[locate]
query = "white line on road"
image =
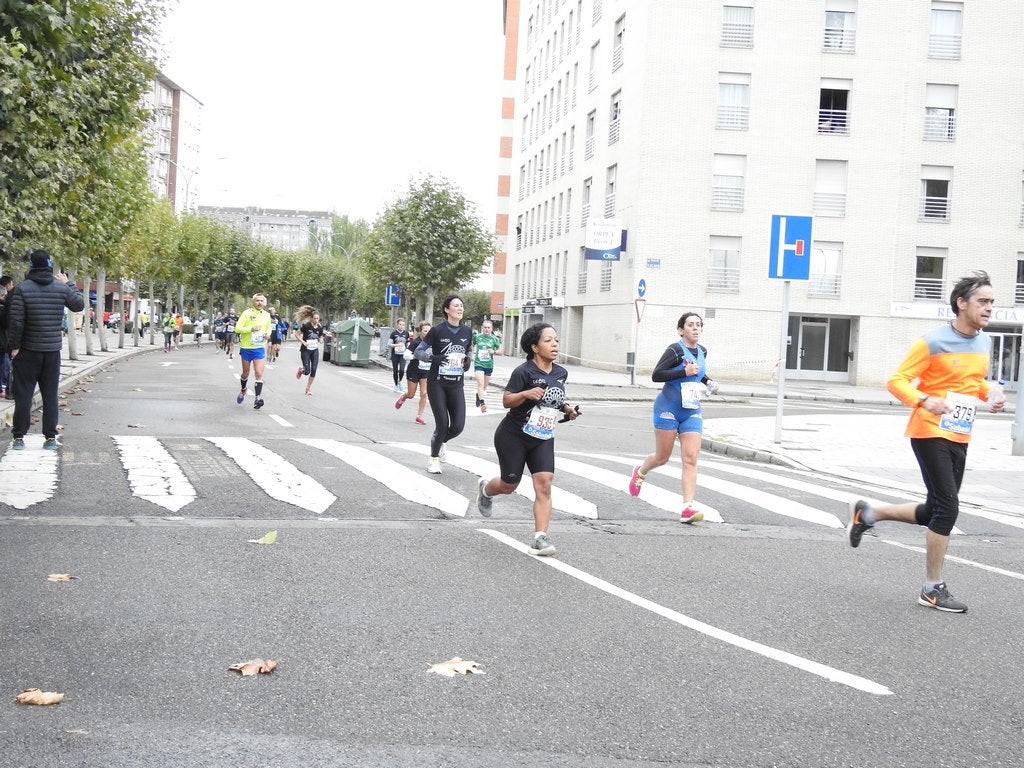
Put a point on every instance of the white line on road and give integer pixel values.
(281, 421)
(153, 474)
(652, 494)
(561, 499)
(29, 476)
(397, 477)
(278, 478)
(962, 561)
(799, 662)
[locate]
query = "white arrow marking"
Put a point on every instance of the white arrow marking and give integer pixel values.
(28, 477)
(278, 478)
(153, 474)
(399, 478)
(799, 662)
(561, 499)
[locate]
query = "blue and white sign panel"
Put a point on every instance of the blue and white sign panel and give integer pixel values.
(641, 288)
(603, 240)
(393, 295)
(790, 255)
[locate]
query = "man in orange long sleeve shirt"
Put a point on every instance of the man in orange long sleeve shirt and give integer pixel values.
(949, 366)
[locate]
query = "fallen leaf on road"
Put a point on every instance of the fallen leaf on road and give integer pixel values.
(268, 538)
(456, 666)
(60, 577)
(255, 667)
(76, 413)
(36, 696)
(136, 426)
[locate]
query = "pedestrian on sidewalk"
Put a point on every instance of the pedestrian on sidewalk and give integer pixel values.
(535, 399)
(446, 348)
(949, 366)
(677, 411)
(486, 345)
(310, 335)
(253, 329)
(416, 374)
(6, 286)
(34, 338)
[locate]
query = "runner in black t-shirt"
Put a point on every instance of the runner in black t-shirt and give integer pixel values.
(535, 397)
(446, 346)
(398, 342)
(310, 334)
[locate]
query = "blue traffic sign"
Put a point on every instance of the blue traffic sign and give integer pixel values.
(393, 295)
(641, 288)
(790, 254)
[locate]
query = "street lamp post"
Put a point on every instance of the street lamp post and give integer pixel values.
(188, 174)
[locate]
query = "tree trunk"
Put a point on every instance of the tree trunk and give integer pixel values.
(152, 319)
(71, 317)
(428, 313)
(101, 306)
(89, 316)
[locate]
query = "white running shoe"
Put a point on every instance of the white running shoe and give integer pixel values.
(434, 465)
(443, 453)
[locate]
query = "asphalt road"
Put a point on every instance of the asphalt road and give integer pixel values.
(762, 640)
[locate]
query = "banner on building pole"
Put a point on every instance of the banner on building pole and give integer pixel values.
(603, 240)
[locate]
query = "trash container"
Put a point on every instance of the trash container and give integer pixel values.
(352, 343)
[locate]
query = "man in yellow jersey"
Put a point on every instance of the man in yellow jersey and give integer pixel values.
(253, 329)
(948, 365)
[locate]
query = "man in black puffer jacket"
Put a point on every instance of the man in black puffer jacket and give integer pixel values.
(35, 318)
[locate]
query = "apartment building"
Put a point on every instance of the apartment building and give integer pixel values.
(174, 143)
(689, 125)
(285, 229)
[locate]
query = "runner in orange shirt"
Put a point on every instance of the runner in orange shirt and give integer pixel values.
(949, 366)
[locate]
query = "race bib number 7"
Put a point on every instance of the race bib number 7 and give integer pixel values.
(541, 423)
(961, 418)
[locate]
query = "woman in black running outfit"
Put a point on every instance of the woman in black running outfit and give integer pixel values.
(416, 374)
(535, 397)
(446, 347)
(310, 334)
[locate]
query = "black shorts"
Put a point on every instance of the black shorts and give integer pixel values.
(517, 450)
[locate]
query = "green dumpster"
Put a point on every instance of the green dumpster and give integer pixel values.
(352, 343)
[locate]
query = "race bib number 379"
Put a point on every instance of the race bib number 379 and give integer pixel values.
(961, 418)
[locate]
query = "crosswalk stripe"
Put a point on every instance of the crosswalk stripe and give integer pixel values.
(395, 476)
(651, 494)
(561, 499)
(278, 478)
(767, 501)
(153, 474)
(28, 477)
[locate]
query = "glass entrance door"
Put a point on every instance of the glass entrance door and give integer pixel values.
(1005, 358)
(812, 344)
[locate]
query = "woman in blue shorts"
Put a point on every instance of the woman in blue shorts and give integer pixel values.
(677, 411)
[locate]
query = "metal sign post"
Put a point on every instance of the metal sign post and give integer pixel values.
(789, 235)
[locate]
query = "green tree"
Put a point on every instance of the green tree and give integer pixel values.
(478, 306)
(428, 241)
(71, 79)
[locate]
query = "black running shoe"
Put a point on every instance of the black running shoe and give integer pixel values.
(940, 599)
(258, 404)
(856, 528)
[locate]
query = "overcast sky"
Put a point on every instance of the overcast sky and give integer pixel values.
(336, 104)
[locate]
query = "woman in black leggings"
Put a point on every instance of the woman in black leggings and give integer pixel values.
(446, 347)
(310, 334)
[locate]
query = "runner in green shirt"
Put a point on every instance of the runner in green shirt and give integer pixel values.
(253, 329)
(486, 345)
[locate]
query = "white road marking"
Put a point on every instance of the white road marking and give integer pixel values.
(153, 474)
(962, 561)
(280, 421)
(799, 662)
(278, 478)
(561, 499)
(399, 478)
(651, 494)
(29, 476)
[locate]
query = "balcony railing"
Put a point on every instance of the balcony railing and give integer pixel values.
(934, 208)
(737, 35)
(588, 148)
(592, 82)
(833, 121)
(613, 131)
(839, 40)
(585, 214)
(825, 286)
(929, 288)
(940, 127)
(595, 16)
(581, 282)
(609, 205)
(944, 46)
(724, 279)
(1020, 222)
(616, 57)
(1018, 294)
(830, 204)
(606, 275)
(727, 198)
(733, 117)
